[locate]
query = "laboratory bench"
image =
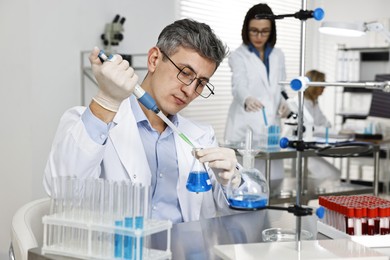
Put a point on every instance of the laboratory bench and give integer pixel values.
(226, 236)
(196, 239)
(285, 192)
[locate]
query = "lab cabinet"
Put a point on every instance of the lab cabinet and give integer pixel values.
(358, 65)
(361, 64)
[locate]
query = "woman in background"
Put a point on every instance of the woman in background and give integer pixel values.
(311, 95)
(319, 168)
(257, 68)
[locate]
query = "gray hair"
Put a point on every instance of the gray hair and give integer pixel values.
(194, 35)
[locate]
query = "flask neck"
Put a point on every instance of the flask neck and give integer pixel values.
(248, 161)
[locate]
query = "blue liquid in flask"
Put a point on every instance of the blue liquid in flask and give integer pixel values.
(248, 201)
(198, 182)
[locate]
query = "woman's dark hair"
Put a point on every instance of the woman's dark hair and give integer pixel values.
(258, 9)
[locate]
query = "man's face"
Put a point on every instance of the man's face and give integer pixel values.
(170, 93)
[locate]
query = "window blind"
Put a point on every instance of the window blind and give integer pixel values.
(225, 17)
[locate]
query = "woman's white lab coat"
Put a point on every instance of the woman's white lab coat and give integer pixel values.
(123, 157)
(249, 78)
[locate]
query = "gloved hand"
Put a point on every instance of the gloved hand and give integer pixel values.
(223, 162)
(115, 78)
(283, 110)
(252, 104)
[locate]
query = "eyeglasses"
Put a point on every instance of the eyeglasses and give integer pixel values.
(186, 76)
(255, 32)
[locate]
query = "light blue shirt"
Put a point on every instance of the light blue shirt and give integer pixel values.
(161, 155)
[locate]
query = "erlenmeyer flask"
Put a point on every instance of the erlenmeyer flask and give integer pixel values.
(248, 189)
(198, 179)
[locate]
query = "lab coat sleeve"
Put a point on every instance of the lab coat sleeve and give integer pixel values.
(238, 65)
(282, 74)
(73, 152)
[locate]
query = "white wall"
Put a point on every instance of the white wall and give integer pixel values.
(40, 47)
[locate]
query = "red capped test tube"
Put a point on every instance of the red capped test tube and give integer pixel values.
(372, 215)
(383, 220)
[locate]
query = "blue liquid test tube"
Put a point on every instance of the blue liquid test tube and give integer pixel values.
(118, 216)
(327, 135)
(128, 221)
(264, 116)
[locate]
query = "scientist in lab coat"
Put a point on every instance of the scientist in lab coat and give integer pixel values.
(117, 138)
(320, 170)
(257, 67)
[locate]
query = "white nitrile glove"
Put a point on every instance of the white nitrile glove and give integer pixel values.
(252, 104)
(115, 78)
(283, 110)
(222, 160)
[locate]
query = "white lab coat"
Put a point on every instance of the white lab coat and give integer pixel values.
(319, 119)
(123, 157)
(312, 115)
(319, 168)
(250, 78)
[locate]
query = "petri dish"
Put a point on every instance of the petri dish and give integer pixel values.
(283, 235)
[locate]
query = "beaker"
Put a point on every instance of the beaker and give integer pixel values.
(198, 179)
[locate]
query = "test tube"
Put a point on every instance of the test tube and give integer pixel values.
(55, 210)
(358, 221)
(264, 116)
(87, 216)
(98, 212)
(364, 221)
(108, 218)
(372, 215)
(129, 212)
(139, 197)
(383, 220)
(118, 220)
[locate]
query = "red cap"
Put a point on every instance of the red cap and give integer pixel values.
(372, 212)
(350, 212)
(358, 212)
(383, 212)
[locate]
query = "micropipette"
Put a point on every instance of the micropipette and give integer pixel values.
(150, 104)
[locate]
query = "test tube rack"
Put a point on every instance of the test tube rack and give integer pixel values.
(101, 239)
(93, 218)
(269, 137)
(364, 219)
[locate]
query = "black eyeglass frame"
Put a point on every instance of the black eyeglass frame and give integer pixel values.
(255, 32)
(207, 85)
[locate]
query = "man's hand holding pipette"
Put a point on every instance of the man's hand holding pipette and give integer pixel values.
(222, 160)
(116, 80)
(252, 104)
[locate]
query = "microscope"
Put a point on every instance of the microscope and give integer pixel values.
(113, 32)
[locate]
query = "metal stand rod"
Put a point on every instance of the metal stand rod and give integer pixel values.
(268, 173)
(368, 85)
(376, 171)
(300, 128)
